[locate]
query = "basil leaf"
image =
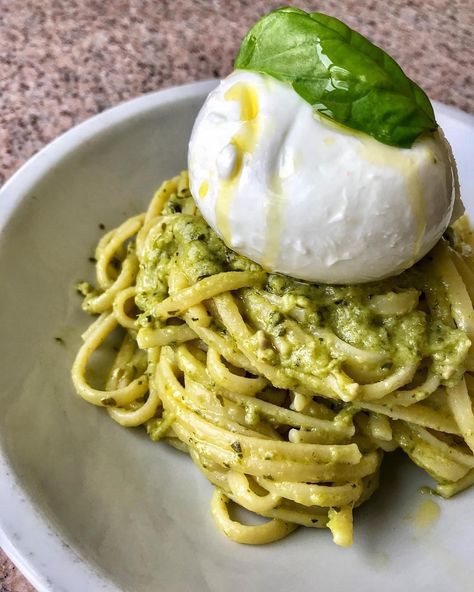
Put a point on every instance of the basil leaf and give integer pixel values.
(340, 73)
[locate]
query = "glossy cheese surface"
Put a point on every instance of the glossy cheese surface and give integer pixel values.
(306, 197)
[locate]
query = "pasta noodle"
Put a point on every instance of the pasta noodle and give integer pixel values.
(285, 394)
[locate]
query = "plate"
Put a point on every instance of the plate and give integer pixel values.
(86, 505)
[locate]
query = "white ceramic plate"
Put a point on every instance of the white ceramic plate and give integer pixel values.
(88, 506)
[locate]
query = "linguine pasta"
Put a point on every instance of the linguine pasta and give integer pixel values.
(285, 394)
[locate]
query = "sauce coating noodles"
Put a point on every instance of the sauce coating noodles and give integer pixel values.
(285, 394)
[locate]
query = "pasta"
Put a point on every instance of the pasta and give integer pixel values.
(285, 394)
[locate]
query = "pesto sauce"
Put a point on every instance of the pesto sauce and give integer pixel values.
(188, 243)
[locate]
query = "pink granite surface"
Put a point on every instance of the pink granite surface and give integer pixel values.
(63, 61)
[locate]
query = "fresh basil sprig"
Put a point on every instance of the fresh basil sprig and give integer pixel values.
(340, 73)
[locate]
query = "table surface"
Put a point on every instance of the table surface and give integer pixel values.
(62, 62)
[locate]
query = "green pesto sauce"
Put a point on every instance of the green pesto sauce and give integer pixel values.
(188, 243)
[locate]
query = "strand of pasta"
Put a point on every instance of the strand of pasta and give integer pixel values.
(337, 346)
(269, 532)
(441, 467)
(405, 398)
(287, 510)
(142, 413)
(313, 494)
(119, 307)
(148, 338)
(116, 239)
(458, 296)
(419, 414)
(276, 375)
(464, 271)
(447, 490)
(104, 253)
(205, 289)
(400, 377)
(117, 377)
(461, 305)
(452, 452)
(224, 415)
(161, 196)
(120, 396)
(279, 414)
(232, 382)
(461, 407)
(241, 491)
(311, 516)
(268, 441)
(192, 423)
(102, 302)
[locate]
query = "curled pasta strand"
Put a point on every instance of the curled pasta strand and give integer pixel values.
(269, 532)
(377, 390)
(405, 398)
(119, 307)
(126, 277)
(135, 417)
(241, 492)
(205, 289)
(232, 382)
(115, 241)
(120, 396)
(161, 196)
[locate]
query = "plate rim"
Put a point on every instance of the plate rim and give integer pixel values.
(67, 565)
(55, 576)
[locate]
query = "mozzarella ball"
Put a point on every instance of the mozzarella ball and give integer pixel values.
(307, 197)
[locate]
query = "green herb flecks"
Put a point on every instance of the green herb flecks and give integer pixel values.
(236, 447)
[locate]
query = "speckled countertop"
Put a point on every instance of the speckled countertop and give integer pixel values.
(61, 62)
